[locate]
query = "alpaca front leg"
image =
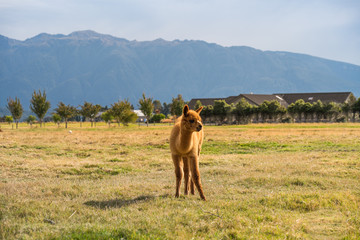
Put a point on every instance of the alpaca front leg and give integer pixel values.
(186, 175)
(195, 174)
(178, 173)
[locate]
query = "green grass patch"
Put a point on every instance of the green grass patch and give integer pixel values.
(223, 147)
(114, 160)
(308, 202)
(96, 171)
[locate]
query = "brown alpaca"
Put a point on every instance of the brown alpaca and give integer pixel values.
(185, 144)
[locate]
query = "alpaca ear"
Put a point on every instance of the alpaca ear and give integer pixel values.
(199, 109)
(186, 110)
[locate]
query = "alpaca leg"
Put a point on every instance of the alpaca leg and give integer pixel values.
(195, 174)
(178, 173)
(192, 187)
(186, 175)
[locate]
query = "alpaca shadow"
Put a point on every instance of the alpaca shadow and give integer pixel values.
(119, 203)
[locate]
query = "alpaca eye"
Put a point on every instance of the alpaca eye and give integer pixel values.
(191, 121)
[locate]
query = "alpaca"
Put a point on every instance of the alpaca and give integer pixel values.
(185, 143)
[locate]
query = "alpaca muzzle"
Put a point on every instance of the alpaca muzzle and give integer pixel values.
(199, 127)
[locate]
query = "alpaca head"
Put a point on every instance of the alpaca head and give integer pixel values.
(191, 119)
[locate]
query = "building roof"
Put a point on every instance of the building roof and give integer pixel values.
(284, 99)
(258, 99)
(139, 113)
(233, 99)
(325, 97)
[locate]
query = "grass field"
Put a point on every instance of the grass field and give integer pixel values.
(281, 181)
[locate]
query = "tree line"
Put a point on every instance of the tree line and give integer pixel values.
(219, 113)
(271, 111)
(120, 112)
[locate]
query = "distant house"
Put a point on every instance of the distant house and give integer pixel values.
(254, 99)
(284, 99)
(141, 116)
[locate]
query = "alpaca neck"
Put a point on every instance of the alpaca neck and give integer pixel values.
(185, 143)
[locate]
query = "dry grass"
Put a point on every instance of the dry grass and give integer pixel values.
(262, 181)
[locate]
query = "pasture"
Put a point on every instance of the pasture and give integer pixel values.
(280, 181)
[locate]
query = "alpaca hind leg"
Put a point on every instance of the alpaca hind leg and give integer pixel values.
(192, 187)
(195, 174)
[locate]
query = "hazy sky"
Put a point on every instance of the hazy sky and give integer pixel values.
(324, 28)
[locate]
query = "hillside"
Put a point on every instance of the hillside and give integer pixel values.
(101, 69)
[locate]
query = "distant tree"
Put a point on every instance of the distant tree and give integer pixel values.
(16, 109)
(56, 118)
(346, 109)
(356, 109)
(292, 111)
(177, 105)
(128, 117)
(299, 107)
(30, 120)
(330, 110)
(198, 104)
(207, 113)
(336, 111)
(256, 112)
(296, 109)
(39, 105)
(9, 119)
(281, 112)
(274, 109)
(318, 110)
(351, 102)
(122, 113)
(242, 111)
(158, 117)
(93, 113)
(157, 106)
(271, 110)
(166, 109)
(221, 110)
(107, 117)
(146, 107)
(88, 110)
(117, 110)
(264, 110)
(85, 110)
(65, 112)
(307, 110)
(352, 99)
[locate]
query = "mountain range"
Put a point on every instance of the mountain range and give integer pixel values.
(88, 66)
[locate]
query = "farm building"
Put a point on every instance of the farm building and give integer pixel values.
(284, 99)
(141, 116)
